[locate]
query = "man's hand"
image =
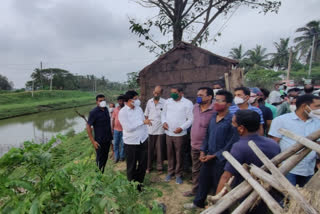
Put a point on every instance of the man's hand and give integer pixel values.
(147, 122)
(206, 158)
(165, 126)
(210, 157)
(178, 130)
(95, 145)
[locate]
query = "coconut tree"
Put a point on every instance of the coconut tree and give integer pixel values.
(281, 57)
(237, 53)
(256, 58)
(304, 42)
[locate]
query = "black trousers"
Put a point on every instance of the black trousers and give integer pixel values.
(137, 159)
(210, 174)
(102, 153)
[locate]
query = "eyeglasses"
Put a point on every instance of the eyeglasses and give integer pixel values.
(220, 101)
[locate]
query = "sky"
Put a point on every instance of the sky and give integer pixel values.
(93, 36)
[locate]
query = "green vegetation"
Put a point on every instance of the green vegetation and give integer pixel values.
(21, 103)
(63, 178)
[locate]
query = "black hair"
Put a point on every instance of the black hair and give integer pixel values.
(130, 95)
(112, 104)
(228, 95)
(293, 90)
(209, 90)
(179, 88)
(218, 82)
(265, 92)
(245, 90)
(306, 99)
(249, 119)
(99, 96)
(308, 89)
(121, 97)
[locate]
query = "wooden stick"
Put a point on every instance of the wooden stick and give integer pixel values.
(81, 115)
(266, 177)
(271, 203)
(304, 141)
(293, 192)
(244, 188)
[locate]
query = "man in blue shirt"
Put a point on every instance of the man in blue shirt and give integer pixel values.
(241, 98)
(303, 122)
(100, 120)
(219, 138)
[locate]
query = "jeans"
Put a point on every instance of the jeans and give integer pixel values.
(298, 179)
(118, 146)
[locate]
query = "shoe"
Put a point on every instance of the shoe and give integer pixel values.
(168, 178)
(121, 159)
(190, 206)
(188, 194)
(179, 180)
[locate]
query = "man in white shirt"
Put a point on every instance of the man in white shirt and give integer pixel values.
(135, 135)
(156, 132)
(176, 119)
(275, 96)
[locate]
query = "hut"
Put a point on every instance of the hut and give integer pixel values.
(189, 67)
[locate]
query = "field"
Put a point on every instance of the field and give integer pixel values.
(22, 103)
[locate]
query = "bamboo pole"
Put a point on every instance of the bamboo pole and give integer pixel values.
(266, 177)
(244, 188)
(293, 192)
(268, 199)
(302, 140)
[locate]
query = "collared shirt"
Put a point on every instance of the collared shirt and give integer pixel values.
(100, 120)
(200, 125)
(177, 114)
(244, 154)
(153, 112)
(135, 131)
(233, 109)
(220, 136)
(294, 124)
(115, 115)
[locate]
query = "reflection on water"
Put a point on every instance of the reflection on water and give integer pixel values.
(40, 127)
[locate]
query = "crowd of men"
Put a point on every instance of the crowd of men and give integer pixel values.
(219, 121)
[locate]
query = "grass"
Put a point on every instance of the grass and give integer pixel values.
(22, 103)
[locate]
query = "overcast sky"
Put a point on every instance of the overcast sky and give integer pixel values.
(93, 37)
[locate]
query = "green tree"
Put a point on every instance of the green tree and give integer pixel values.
(262, 78)
(237, 53)
(281, 57)
(176, 17)
(304, 42)
(5, 84)
(132, 80)
(256, 58)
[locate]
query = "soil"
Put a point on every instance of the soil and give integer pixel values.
(172, 193)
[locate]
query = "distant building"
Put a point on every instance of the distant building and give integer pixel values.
(190, 67)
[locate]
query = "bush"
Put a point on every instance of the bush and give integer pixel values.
(262, 78)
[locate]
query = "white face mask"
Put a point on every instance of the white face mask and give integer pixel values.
(215, 91)
(252, 100)
(137, 103)
(103, 104)
(111, 109)
(238, 100)
(293, 108)
(314, 113)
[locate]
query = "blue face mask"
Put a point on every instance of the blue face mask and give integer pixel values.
(199, 100)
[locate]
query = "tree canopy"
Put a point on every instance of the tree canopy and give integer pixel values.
(5, 84)
(192, 17)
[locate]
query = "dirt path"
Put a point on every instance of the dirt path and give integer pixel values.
(172, 193)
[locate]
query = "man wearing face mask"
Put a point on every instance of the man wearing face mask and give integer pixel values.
(156, 132)
(275, 95)
(241, 99)
(135, 137)
(176, 118)
(308, 89)
(100, 120)
(303, 122)
(247, 123)
(117, 131)
(202, 113)
(219, 137)
(289, 104)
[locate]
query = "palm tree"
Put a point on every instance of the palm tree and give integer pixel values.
(256, 57)
(304, 42)
(237, 53)
(281, 57)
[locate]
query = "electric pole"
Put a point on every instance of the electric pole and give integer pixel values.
(312, 49)
(41, 74)
(51, 80)
(289, 65)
